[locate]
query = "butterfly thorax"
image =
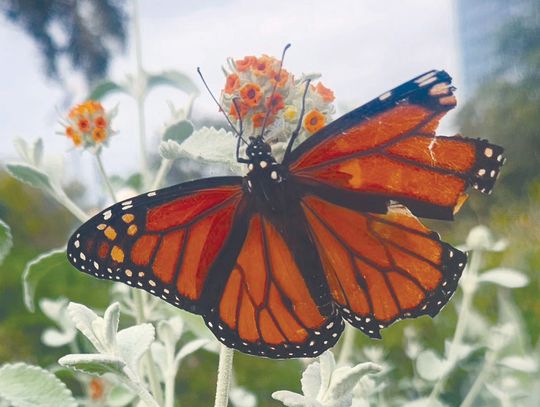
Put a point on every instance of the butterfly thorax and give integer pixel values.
(265, 177)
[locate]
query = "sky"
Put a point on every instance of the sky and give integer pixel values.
(361, 48)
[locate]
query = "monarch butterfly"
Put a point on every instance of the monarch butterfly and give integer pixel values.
(275, 261)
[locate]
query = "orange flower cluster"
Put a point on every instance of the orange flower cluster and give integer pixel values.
(248, 95)
(88, 124)
(251, 85)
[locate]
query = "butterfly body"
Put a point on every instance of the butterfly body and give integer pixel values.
(276, 261)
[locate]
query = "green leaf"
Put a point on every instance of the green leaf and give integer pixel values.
(37, 269)
(38, 151)
(135, 181)
(29, 386)
(179, 131)
(22, 148)
(94, 364)
(429, 366)
(105, 88)
(29, 175)
(119, 396)
(505, 277)
(6, 240)
(525, 364)
(172, 78)
(134, 341)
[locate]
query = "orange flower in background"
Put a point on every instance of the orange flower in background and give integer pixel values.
(260, 87)
(327, 94)
(258, 119)
(96, 388)
(232, 83)
(314, 121)
(99, 135)
(77, 139)
(83, 124)
(276, 104)
(70, 131)
(281, 78)
(100, 122)
(88, 124)
(243, 110)
(243, 65)
(251, 94)
(264, 65)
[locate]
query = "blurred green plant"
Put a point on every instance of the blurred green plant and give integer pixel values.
(90, 31)
(508, 102)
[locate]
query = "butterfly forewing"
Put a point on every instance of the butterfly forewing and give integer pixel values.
(164, 242)
(388, 149)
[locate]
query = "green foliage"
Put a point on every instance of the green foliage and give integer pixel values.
(6, 240)
(16, 380)
(179, 131)
(505, 109)
(30, 176)
(37, 269)
(90, 32)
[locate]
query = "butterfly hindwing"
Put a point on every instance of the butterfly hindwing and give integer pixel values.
(387, 149)
(275, 302)
(382, 267)
(164, 241)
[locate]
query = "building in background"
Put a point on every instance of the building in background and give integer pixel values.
(479, 23)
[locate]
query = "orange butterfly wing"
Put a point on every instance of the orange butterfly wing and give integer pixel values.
(381, 268)
(164, 242)
(388, 150)
(274, 302)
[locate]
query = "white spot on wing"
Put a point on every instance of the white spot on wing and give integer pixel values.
(385, 96)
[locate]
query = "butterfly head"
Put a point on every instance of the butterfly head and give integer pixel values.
(258, 150)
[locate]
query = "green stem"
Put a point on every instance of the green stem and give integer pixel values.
(61, 197)
(489, 362)
(140, 94)
(164, 169)
(347, 346)
(169, 389)
(224, 376)
(105, 177)
(134, 384)
(139, 300)
(469, 288)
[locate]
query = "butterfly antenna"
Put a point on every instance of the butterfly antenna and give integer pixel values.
(296, 131)
(238, 133)
(274, 90)
(239, 114)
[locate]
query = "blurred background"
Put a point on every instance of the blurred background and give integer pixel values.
(55, 52)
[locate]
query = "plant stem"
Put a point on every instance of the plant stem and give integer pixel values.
(347, 346)
(469, 288)
(224, 376)
(164, 169)
(489, 361)
(140, 93)
(134, 384)
(139, 301)
(67, 203)
(169, 389)
(105, 177)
